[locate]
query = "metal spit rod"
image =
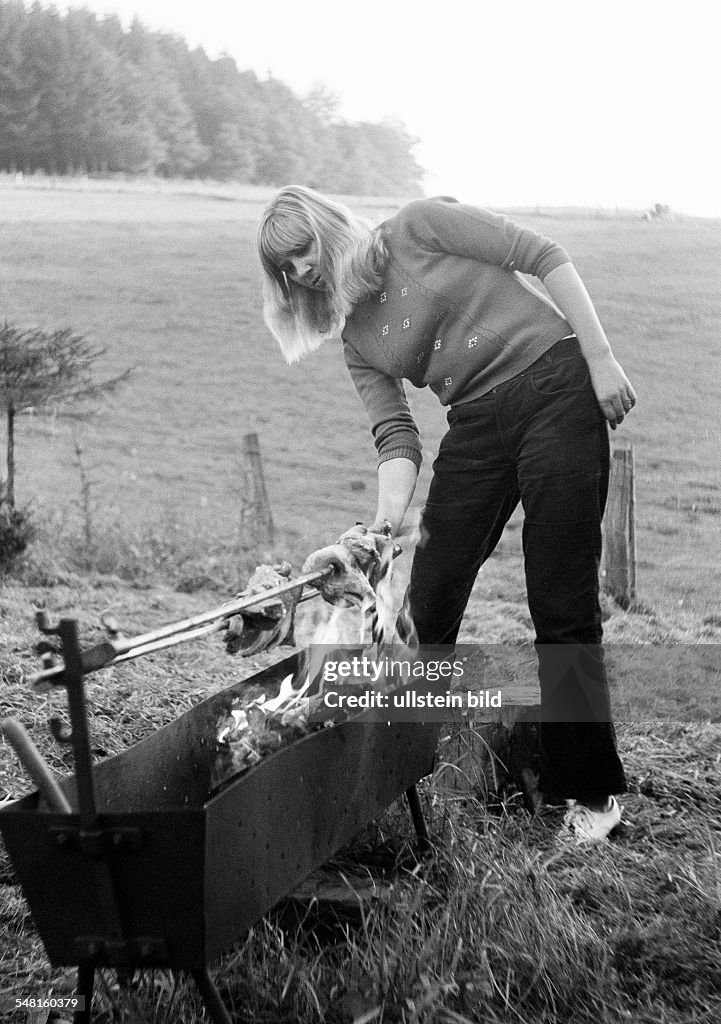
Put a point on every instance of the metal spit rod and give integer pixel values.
(187, 634)
(112, 651)
(225, 611)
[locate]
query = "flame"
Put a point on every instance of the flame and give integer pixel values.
(386, 602)
(240, 723)
(373, 622)
(330, 625)
(287, 695)
(281, 706)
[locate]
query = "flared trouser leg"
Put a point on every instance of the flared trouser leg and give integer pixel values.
(539, 438)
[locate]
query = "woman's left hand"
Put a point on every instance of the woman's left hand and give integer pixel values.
(613, 389)
(611, 385)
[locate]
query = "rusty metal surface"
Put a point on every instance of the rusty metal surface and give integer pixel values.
(159, 888)
(205, 868)
(287, 816)
(173, 767)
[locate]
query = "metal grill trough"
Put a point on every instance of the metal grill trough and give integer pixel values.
(150, 869)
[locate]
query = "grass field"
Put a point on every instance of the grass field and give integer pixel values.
(500, 925)
(168, 284)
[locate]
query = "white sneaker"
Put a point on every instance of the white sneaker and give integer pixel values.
(585, 825)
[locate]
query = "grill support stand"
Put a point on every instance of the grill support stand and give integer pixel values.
(95, 841)
(211, 997)
(419, 822)
(84, 989)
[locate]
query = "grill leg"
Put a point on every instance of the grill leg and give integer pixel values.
(419, 822)
(85, 986)
(211, 997)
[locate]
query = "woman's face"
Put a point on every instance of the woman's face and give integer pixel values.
(302, 268)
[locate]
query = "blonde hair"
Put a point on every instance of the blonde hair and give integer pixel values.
(351, 257)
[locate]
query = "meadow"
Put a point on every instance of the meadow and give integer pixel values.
(167, 283)
(500, 924)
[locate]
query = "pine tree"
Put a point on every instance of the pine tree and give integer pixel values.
(45, 371)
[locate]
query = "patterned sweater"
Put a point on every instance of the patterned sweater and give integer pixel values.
(452, 314)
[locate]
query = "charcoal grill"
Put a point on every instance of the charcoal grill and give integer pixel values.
(152, 870)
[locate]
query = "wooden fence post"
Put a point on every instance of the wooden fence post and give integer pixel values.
(619, 532)
(256, 518)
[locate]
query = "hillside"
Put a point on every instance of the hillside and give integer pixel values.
(502, 924)
(167, 283)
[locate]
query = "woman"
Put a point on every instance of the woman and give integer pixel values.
(433, 295)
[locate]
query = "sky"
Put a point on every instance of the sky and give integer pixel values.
(600, 103)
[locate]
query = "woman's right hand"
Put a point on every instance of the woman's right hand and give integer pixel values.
(373, 548)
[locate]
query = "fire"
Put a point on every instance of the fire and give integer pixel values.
(383, 614)
(370, 622)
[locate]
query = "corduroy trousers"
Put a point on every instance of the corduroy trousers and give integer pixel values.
(539, 438)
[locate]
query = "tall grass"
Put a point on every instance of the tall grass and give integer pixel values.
(500, 924)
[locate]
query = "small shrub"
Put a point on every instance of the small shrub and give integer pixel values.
(16, 532)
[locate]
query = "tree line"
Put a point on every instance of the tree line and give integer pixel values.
(81, 94)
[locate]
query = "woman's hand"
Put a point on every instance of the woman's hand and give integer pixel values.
(612, 387)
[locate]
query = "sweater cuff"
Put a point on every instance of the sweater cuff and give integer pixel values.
(404, 451)
(552, 260)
